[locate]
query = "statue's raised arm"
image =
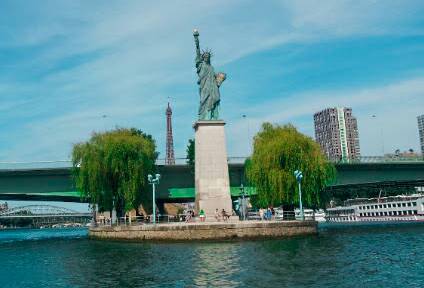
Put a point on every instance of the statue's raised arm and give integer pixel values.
(196, 41)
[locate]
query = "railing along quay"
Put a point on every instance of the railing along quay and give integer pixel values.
(187, 218)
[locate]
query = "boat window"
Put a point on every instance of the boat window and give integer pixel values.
(398, 205)
(414, 203)
(385, 206)
(389, 205)
(415, 212)
(385, 213)
(403, 204)
(408, 204)
(380, 206)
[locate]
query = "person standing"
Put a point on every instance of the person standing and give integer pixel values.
(217, 214)
(202, 216)
(261, 213)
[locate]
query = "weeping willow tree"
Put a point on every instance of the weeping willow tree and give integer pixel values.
(111, 169)
(278, 152)
(190, 154)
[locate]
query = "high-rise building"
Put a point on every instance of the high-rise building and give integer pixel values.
(170, 158)
(336, 131)
(421, 131)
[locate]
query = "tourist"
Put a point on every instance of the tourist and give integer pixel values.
(188, 216)
(225, 216)
(217, 214)
(202, 215)
(268, 214)
(261, 213)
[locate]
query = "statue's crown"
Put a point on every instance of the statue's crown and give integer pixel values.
(207, 52)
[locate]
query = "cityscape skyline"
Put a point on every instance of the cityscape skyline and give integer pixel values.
(66, 72)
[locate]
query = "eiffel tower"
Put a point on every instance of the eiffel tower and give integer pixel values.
(170, 158)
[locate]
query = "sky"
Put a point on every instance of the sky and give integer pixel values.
(68, 68)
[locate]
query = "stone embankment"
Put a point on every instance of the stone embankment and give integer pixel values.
(205, 231)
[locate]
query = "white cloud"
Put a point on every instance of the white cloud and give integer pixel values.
(395, 106)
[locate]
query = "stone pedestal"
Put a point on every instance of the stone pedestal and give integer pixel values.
(212, 180)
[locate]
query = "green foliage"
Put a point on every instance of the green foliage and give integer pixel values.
(278, 152)
(112, 167)
(190, 154)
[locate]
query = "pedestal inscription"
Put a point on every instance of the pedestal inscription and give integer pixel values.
(211, 169)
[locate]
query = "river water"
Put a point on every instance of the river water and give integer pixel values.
(339, 256)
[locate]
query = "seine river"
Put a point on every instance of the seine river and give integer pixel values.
(342, 256)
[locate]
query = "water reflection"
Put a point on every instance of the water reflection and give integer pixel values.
(216, 265)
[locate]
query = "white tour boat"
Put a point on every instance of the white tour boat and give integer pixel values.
(386, 209)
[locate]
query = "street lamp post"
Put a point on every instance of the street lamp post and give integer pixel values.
(243, 202)
(153, 182)
(298, 174)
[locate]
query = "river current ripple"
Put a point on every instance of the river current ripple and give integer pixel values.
(339, 256)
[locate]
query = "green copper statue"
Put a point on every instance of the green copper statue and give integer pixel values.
(209, 83)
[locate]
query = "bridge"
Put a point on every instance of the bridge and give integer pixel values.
(40, 215)
(52, 180)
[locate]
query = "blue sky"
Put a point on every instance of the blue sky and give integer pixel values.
(65, 64)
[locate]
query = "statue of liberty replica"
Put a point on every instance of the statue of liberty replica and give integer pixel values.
(209, 83)
(211, 175)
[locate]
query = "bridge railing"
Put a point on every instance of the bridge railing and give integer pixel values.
(15, 165)
(382, 159)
